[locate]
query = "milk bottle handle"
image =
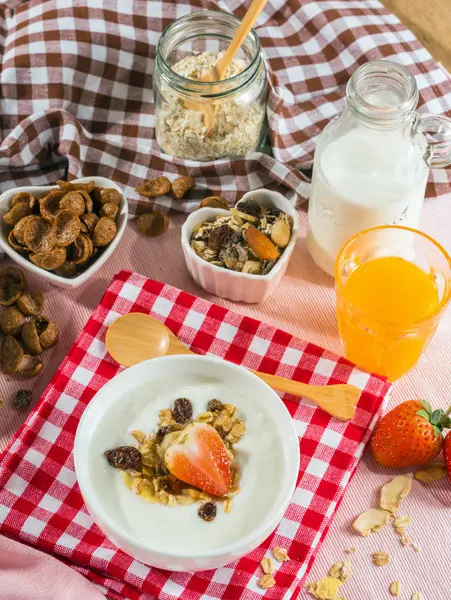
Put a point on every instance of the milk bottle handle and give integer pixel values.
(438, 154)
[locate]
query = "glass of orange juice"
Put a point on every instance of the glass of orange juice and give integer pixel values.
(393, 284)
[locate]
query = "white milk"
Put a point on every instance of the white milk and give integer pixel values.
(365, 178)
(261, 459)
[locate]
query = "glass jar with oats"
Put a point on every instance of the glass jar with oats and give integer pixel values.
(187, 50)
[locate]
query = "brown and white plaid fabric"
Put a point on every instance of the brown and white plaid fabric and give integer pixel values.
(76, 89)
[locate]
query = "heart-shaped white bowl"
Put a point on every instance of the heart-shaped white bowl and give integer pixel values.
(102, 256)
(240, 287)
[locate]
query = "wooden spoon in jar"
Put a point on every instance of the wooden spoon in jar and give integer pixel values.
(136, 337)
(219, 70)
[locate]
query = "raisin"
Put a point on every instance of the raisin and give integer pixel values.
(22, 399)
(163, 431)
(214, 405)
(207, 511)
(219, 236)
(250, 207)
(182, 410)
(125, 458)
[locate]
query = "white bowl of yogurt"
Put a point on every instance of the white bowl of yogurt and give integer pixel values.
(174, 537)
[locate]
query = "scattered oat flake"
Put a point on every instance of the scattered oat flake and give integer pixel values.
(341, 570)
(405, 540)
(402, 522)
(380, 558)
(394, 492)
(431, 473)
(370, 521)
(266, 582)
(267, 565)
(417, 596)
(350, 551)
(325, 589)
(280, 554)
(416, 547)
(394, 588)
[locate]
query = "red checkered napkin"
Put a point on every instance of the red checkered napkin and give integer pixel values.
(41, 504)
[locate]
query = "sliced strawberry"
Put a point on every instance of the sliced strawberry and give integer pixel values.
(199, 457)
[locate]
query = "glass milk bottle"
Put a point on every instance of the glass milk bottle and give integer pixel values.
(372, 162)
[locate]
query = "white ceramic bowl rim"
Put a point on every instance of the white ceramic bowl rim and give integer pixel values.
(277, 509)
(186, 235)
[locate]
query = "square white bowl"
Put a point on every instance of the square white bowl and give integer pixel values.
(102, 257)
(240, 287)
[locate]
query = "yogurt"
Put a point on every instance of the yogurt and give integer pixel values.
(259, 453)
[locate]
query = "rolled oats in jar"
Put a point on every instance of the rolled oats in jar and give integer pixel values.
(187, 50)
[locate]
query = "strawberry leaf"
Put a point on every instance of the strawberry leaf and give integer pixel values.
(424, 414)
(436, 417)
(427, 407)
(437, 431)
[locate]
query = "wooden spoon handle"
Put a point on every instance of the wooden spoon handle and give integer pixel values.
(337, 400)
(241, 33)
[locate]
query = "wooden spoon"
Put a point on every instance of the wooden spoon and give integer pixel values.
(136, 337)
(220, 69)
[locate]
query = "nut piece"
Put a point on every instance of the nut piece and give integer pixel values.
(370, 521)
(266, 582)
(341, 570)
(254, 267)
(281, 233)
(153, 223)
(402, 522)
(11, 321)
(326, 588)
(31, 304)
(182, 185)
(30, 366)
(214, 202)
(380, 558)
(431, 472)
(154, 188)
(267, 566)
(395, 588)
(280, 554)
(260, 245)
(394, 492)
(11, 354)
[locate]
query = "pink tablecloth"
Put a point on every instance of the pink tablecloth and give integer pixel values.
(303, 305)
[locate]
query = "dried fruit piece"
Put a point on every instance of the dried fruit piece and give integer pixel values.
(326, 588)
(22, 399)
(80, 251)
(73, 201)
(181, 185)
(125, 458)
(267, 566)
(182, 410)
(199, 457)
(162, 432)
(341, 570)
(68, 269)
(11, 321)
(219, 237)
(69, 186)
(90, 220)
(15, 244)
(214, 405)
(402, 522)
(266, 582)
(154, 188)
(110, 196)
(65, 228)
(30, 338)
(250, 207)
(431, 472)
(394, 492)
(371, 521)
(109, 210)
(214, 202)
(380, 559)
(153, 223)
(280, 554)
(395, 588)
(38, 235)
(12, 283)
(17, 212)
(48, 332)
(31, 304)
(11, 354)
(207, 511)
(49, 261)
(260, 245)
(104, 232)
(49, 206)
(30, 366)
(281, 233)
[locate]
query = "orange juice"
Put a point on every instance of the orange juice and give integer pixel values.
(385, 314)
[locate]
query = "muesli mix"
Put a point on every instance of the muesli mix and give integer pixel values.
(250, 239)
(153, 471)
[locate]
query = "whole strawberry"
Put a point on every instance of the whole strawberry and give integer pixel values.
(447, 452)
(409, 435)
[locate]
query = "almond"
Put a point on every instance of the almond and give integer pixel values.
(260, 245)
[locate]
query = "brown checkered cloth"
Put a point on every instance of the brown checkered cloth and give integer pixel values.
(76, 89)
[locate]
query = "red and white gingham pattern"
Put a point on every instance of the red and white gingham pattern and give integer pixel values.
(40, 502)
(76, 89)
